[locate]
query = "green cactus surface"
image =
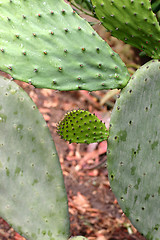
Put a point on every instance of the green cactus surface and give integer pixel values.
(32, 194)
(81, 126)
(131, 21)
(45, 43)
(134, 150)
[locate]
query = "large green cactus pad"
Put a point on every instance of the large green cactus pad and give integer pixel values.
(134, 150)
(81, 126)
(32, 193)
(47, 44)
(132, 21)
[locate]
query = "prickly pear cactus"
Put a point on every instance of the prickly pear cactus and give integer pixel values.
(45, 43)
(32, 193)
(81, 126)
(131, 21)
(134, 150)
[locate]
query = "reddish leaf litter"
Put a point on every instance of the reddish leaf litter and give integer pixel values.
(94, 211)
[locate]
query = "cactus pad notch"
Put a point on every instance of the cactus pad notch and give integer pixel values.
(32, 194)
(45, 43)
(134, 150)
(131, 21)
(80, 126)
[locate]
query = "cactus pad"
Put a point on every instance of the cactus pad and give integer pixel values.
(81, 126)
(32, 193)
(131, 21)
(45, 43)
(134, 150)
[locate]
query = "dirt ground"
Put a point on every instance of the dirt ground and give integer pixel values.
(94, 211)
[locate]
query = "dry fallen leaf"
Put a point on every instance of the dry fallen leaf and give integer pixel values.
(81, 202)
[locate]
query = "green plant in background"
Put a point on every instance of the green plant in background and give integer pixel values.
(86, 4)
(46, 44)
(131, 21)
(155, 6)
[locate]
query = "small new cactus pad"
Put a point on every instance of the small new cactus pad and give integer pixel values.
(81, 126)
(132, 21)
(32, 193)
(45, 43)
(134, 150)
